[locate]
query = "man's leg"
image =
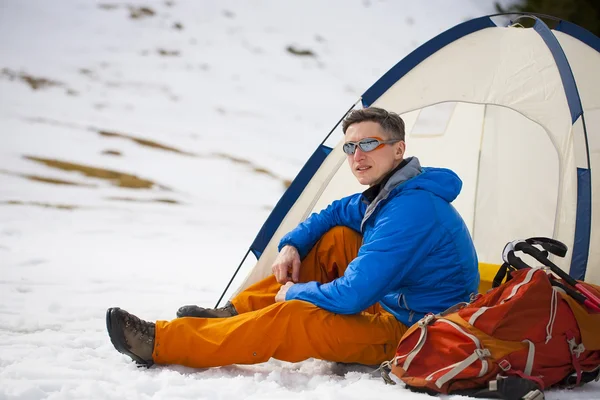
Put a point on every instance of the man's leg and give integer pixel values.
(289, 331)
(326, 261)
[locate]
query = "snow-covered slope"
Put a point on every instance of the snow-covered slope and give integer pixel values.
(142, 145)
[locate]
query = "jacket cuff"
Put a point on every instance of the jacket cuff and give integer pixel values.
(293, 291)
(286, 242)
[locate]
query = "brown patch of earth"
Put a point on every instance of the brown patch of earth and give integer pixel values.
(39, 204)
(300, 52)
(53, 122)
(117, 178)
(52, 180)
(259, 170)
(34, 82)
(131, 199)
(112, 153)
(44, 179)
(140, 12)
(108, 6)
(144, 142)
(168, 53)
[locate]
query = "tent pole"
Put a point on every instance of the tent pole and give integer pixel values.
(232, 278)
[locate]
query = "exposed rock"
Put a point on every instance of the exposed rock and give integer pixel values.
(106, 6)
(39, 204)
(300, 52)
(140, 12)
(34, 82)
(112, 153)
(168, 53)
(131, 199)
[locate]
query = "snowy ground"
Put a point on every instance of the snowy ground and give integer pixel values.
(140, 151)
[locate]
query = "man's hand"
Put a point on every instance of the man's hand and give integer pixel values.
(280, 296)
(287, 260)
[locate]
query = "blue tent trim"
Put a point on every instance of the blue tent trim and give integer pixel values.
(288, 199)
(564, 69)
(420, 54)
(583, 224)
(583, 218)
(579, 33)
(584, 176)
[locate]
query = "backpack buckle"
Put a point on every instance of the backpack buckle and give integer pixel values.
(576, 349)
(483, 353)
(473, 297)
(384, 374)
(504, 365)
(426, 320)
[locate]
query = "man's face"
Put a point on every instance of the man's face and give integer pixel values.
(370, 167)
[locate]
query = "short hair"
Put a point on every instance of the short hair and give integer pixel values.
(390, 122)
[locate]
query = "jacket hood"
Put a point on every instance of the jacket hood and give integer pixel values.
(411, 169)
(442, 182)
(439, 181)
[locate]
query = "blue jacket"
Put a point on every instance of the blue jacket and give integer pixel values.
(417, 254)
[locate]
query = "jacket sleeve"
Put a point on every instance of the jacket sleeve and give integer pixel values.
(404, 234)
(347, 211)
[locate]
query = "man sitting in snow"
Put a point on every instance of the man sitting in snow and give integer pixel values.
(362, 271)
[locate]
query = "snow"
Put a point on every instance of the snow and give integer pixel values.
(240, 115)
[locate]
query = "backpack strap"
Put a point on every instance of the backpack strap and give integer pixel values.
(576, 349)
(570, 381)
(511, 262)
(503, 272)
(552, 246)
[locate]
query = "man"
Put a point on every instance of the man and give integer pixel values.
(362, 271)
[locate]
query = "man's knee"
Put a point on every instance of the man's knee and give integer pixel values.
(343, 232)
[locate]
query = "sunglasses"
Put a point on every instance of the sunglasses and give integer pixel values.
(366, 145)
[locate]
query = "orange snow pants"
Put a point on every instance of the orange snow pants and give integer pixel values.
(291, 330)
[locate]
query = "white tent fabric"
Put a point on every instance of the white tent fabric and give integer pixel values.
(515, 112)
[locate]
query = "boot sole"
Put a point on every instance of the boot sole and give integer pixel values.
(115, 332)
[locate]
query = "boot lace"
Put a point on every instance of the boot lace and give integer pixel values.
(144, 329)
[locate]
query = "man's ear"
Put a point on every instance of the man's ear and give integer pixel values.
(400, 150)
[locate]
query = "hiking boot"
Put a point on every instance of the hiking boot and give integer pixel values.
(131, 335)
(228, 310)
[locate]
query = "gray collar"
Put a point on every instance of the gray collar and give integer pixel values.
(410, 170)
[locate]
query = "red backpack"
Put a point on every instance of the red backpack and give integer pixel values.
(530, 333)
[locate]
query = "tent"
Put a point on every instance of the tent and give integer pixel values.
(514, 111)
